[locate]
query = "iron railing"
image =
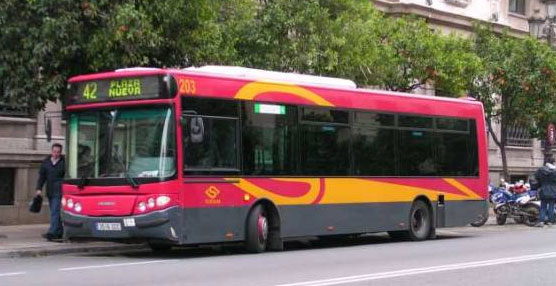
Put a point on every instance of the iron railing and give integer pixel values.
(518, 135)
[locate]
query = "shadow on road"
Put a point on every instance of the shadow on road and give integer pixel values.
(293, 245)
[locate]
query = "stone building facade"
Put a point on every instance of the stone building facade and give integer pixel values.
(520, 18)
(23, 146)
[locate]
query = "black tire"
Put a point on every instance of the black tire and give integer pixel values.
(532, 218)
(420, 221)
(480, 222)
(256, 239)
(501, 219)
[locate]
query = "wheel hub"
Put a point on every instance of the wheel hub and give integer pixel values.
(262, 228)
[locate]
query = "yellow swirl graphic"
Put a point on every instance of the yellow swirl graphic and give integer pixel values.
(259, 192)
(253, 89)
(343, 191)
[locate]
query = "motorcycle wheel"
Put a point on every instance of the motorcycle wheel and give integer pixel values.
(480, 222)
(533, 215)
(501, 219)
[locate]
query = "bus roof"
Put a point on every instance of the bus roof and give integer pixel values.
(277, 78)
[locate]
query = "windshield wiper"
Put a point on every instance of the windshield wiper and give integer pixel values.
(83, 182)
(130, 180)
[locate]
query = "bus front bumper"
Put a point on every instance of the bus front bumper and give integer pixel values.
(158, 225)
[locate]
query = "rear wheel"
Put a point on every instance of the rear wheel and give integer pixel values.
(532, 217)
(420, 221)
(480, 222)
(257, 230)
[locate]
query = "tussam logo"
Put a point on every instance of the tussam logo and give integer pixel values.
(212, 194)
(106, 204)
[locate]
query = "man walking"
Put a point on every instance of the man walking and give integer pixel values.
(546, 177)
(52, 173)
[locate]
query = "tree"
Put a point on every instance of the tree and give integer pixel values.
(517, 84)
(43, 43)
(38, 41)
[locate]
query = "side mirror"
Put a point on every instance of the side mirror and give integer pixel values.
(197, 130)
(48, 129)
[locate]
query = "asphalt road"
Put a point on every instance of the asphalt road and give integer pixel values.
(490, 255)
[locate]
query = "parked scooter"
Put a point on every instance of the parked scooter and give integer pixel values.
(515, 202)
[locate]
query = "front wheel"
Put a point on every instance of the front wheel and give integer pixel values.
(420, 222)
(501, 219)
(257, 230)
(532, 217)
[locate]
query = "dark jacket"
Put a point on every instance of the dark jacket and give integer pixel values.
(546, 177)
(52, 175)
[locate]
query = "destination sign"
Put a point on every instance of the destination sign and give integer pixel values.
(131, 88)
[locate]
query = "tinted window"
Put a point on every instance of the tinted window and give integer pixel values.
(416, 153)
(373, 151)
(457, 152)
(452, 124)
(414, 121)
(210, 107)
(325, 115)
(325, 150)
(374, 119)
(269, 140)
(210, 142)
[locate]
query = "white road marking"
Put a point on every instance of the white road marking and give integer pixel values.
(11, 274)
(424, 270)
(115, 265)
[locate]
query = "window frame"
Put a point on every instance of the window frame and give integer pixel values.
(518, 8)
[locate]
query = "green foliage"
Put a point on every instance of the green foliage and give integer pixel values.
(518, 82)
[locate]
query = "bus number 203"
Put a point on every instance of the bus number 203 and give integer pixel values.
(187, 86)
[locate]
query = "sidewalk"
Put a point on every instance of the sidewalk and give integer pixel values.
(26, 241)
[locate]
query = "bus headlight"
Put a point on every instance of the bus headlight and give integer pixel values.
(162, 201)
(78, 207)
(150, 203)
(142, 206)
(70, 203)
(64, 202)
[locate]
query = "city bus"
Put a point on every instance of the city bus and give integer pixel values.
(217, 154)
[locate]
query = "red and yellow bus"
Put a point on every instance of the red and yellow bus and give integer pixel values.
(228, 154)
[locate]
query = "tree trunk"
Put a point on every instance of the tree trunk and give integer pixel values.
(501, 145)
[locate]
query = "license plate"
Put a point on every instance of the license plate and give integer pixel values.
(109, 226)
(129, 222)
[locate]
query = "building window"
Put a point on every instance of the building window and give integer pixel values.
(517, 6)
(459, 3)
(7, 187)
(518, 135)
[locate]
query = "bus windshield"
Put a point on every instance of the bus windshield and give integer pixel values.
(122, 143)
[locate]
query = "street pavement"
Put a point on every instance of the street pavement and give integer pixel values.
(26, 240)
(489, 255)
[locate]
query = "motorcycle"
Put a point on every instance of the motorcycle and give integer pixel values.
(522, 207)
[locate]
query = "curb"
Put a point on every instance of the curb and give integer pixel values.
(90, 249)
